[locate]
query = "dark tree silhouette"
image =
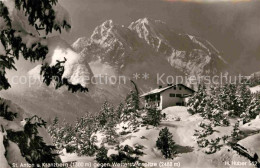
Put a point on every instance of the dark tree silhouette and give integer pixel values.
(165, 143)
(41, 16)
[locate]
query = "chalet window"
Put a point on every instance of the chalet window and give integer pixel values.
(178, 95)
(158, 97)
(172, 95)
(179, 88)
(174, 88)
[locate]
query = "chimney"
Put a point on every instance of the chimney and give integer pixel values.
(160, 86)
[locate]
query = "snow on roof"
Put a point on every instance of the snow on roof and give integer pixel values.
(255, 89)
(155, 91)
(159, 90)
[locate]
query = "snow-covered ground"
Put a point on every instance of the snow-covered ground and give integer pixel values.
(3, 161)
(182, 125)
(253, 125)
(11, 153)
(255, 89)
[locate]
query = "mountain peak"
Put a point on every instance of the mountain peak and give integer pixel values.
(109, 34)
(108, 24)
(144, 20)
(102, 32)
(140, 22)
(116, 45)
(79, 44)
(148, 30)
(105, 27)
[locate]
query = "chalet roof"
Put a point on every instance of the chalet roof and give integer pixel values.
(160, 90)
(155, 91)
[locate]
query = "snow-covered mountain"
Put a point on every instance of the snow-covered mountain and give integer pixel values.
(47, 102)
(111, 43)
(145, 46)
(153, 42)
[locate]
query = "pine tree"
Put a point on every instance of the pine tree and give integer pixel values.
(126, 154)
(119, 112)
(53, 130)
(106, 112)
(85, 138)
(131, 103)
(214, 111)
(41, 16)
(206, 130)
(153, 117)
(232, 96)
(246, 96)
(4, 111)
(236, 132)
(213, 146)
(210, 106)
(131, 111)
(110, 131)
(86, 145)
(242, 100)
(252, 110)
(222, 93)
(79, 138)
(107, 119)
(31, 144)
(198, 102)
(225, 138)
(165, 143)
(227, 96)
(102, 158)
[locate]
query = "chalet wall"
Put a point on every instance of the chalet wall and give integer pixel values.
(153, 100)
(173, 101)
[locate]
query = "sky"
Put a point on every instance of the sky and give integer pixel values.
(233, 26)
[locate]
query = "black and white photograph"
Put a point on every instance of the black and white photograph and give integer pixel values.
(129, 83)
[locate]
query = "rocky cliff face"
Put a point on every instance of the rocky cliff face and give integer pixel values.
(150, 41)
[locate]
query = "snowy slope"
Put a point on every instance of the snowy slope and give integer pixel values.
(12, 151)
(255, 89)
(192, 55)
(252, 143)
(113, 49)
(188, 153)
(3, 161)
(79, 44)
(253, 125)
